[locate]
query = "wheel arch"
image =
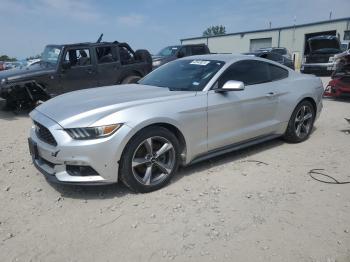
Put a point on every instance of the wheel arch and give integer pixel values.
(173, 128)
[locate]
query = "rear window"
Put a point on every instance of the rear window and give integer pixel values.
(277, 73)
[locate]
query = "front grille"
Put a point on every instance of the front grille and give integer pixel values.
(44, 134)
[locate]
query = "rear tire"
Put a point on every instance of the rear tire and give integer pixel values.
(149, 160)
(131, 80)
(301, 123)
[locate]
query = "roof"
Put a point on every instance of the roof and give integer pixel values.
(218, 57)
(272, 29)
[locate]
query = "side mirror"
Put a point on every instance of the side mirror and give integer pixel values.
(180, 54)
(66, 65)
(231, 85)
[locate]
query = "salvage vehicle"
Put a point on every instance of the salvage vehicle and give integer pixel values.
(184, 112)
(65, 68)
(339, 86)
(273, 56)
(319, 55)
(171, 53)
(277, 50)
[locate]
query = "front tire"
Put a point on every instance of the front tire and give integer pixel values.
(131, 80)
(301, 123)
(149, 160)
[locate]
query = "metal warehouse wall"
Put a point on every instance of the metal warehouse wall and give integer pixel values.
(291, 38)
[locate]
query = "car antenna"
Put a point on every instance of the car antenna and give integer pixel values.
(100, 38)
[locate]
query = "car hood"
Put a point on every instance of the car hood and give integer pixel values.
(25, 72)
(83, 108)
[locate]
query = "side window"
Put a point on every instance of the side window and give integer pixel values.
(185, 50)
(277, 73)
(78, 57)
(198, 50)
(250, 72)
(105, 55)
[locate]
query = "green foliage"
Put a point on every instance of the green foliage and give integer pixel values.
(6, 58)
(215, 30)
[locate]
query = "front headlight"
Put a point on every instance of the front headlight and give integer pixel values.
(3, 81)
(331, 59)
(92, 132)
(156, 63)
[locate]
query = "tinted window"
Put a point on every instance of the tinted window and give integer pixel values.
(250, 72)
(277, 72)
(198, 50)
(183, 75)
(78, 57)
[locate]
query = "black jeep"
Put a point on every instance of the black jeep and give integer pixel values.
(65, 68)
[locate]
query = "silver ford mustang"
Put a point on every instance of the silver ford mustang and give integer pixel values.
(183, 112)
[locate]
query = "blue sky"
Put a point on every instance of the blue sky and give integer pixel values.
(28, 25)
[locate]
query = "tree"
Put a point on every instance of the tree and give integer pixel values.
(215, 30)
(6, 58)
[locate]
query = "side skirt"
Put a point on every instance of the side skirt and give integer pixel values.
(233, 147)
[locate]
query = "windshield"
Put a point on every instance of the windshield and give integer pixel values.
(51, 54)
(183, 75)
(168, 51)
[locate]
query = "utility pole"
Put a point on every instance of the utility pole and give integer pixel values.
(330, 15)
(270, 25)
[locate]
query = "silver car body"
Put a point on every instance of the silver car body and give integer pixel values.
(209, 122)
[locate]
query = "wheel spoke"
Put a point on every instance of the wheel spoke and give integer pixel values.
(307, 116)
(163, 167)
(165, 148)
(139, 161)
(148, 175)
(298, 130)
(149, 146)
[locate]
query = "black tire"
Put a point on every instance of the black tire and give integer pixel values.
(304, 126)
(128, 171)
(131, 79)
(144, 56)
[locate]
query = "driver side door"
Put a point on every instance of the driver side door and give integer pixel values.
(81, 71)
(237, 116)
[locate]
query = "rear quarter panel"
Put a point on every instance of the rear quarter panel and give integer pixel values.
(296, 88)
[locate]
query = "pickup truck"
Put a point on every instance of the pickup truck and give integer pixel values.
(65, 68)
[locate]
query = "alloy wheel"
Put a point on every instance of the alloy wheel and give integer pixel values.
(153, 160)
(303, 121)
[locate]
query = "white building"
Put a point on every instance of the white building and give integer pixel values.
(292, 37)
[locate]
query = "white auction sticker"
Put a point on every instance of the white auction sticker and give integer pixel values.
(200, 62)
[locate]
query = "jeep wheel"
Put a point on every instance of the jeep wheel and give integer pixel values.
(131, 80)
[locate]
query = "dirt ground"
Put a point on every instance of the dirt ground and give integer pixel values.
(227, 209)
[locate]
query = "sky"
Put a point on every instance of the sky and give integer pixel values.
(28, 25)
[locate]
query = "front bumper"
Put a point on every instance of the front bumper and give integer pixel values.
(101, 155)
(318, 68)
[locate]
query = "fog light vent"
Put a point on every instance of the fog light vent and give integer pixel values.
(81, 171)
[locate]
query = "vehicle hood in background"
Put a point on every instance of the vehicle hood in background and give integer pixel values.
(324, 44)
(83, 108)
(17, 74)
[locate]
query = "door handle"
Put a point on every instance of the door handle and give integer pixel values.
(89, 71)
(271, 94)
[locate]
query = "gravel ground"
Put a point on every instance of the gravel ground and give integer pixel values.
(227, 209)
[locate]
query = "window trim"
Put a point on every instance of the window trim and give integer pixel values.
(216, 83)
(77, 48)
